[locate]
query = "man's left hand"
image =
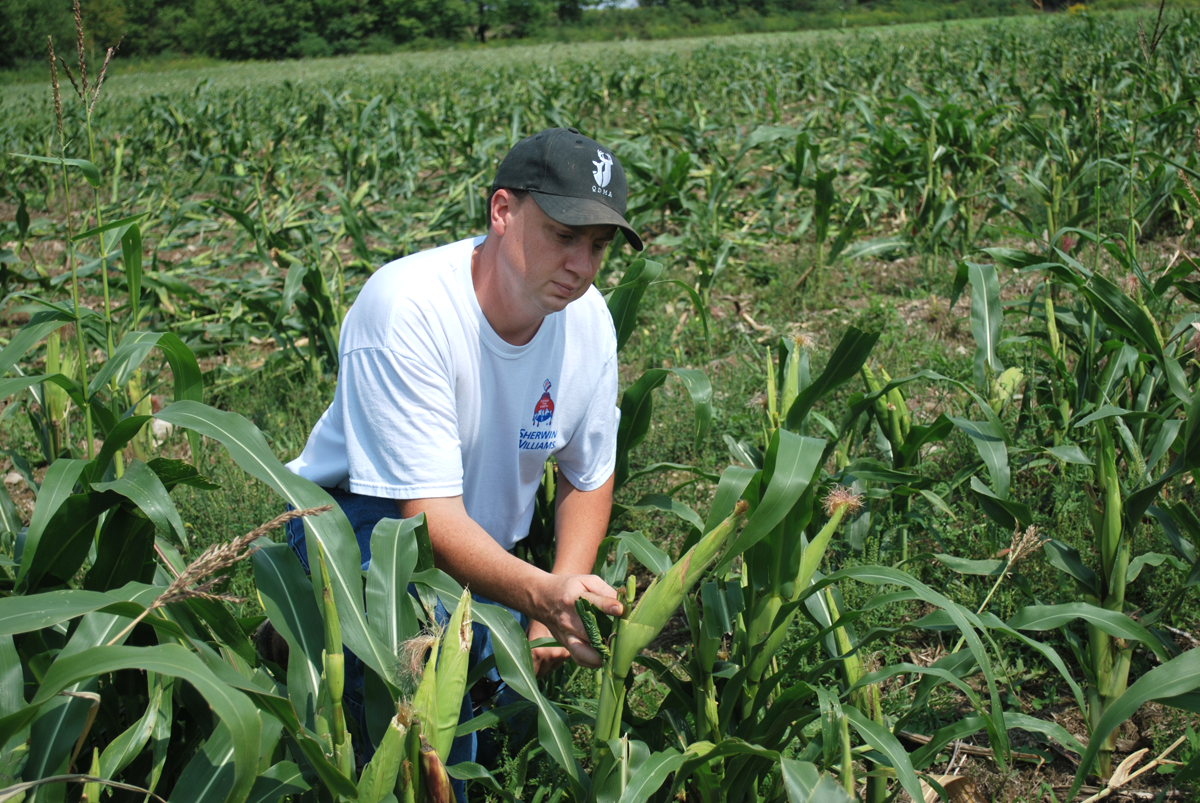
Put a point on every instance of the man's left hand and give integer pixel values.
(546, 659)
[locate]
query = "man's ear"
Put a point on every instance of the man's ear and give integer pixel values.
(503, 207)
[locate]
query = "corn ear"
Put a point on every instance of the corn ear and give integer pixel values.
(772, 402)
(791, 381)
(379, 776)
(706, 648)
(411, 788)
(453, 663)
(880, 404)
(1005, 388)
(439, 696)
(810, 559)
(639, 626)
(666, 593)
(433, 776)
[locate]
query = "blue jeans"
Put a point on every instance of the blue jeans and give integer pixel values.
(364, 512)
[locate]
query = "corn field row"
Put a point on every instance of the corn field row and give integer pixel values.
(1036, 168)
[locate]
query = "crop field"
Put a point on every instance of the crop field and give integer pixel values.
(910, 423)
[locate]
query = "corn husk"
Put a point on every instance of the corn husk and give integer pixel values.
(439, 696)
(664, 596)
(379, 776)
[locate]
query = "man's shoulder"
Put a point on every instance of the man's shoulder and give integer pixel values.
(422, 272)
(404, 291)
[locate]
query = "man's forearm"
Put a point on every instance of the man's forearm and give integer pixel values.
(580, 523)
(465, 551)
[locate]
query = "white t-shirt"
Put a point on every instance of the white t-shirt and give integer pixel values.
(431, 402)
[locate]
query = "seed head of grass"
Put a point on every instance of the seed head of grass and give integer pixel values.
(200, 578)
(1149, 44)
(79, 48)
(88, 93)
(1187, 183)
(842, 497)
(1024, 544)
(54, 86)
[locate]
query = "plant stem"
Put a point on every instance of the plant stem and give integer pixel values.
(72, 262)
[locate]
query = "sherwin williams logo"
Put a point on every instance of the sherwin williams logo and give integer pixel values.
(544, 411)
(603, 173)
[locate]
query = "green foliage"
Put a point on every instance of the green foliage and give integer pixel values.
(230, 227)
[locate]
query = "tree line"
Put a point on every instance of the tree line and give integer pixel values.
(275, 29)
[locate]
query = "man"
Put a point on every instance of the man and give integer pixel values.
(464, 367)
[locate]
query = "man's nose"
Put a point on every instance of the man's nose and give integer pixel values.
(580, 259)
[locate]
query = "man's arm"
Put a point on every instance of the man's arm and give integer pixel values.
(580, 522)
(465, 551)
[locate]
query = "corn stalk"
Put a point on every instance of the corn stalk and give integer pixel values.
(1109, 655)
(640, 624)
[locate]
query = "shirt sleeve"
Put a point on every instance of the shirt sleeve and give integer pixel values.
(401, 425)
(590, 456)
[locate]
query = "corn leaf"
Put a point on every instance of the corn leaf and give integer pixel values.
(142, 487)
(625, 298)
(794, 461)
(277, 782)
(650, 775)
(1173, 678)
(1114, 623)
(286, 596)
(331, 530)
(804, 783)
(393, 559)
(233, 709)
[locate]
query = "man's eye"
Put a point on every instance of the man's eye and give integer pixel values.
(598, 247)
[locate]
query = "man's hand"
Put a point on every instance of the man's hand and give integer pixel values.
(556, 614)
(546, 659)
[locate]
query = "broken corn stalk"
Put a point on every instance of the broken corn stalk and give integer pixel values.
(639, 626)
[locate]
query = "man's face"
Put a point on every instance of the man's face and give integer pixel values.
(547, 264)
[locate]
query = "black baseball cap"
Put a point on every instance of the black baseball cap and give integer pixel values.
(574, 179)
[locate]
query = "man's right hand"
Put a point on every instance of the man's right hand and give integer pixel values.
(557, 611)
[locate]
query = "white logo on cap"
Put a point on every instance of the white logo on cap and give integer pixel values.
(603, 171)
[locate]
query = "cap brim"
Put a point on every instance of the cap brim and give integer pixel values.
(571, 211)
